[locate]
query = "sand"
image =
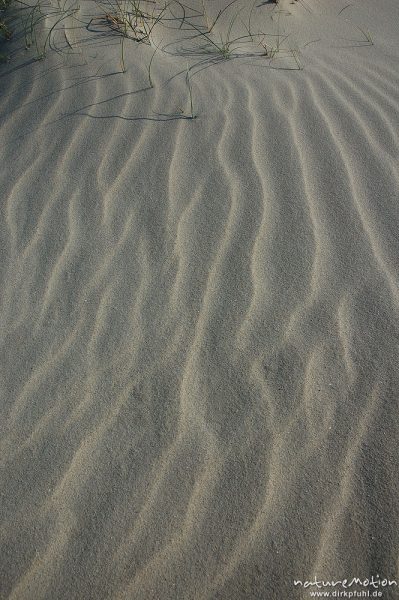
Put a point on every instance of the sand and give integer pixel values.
(200, 317)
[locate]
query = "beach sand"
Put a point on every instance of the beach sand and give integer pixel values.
(200, 316)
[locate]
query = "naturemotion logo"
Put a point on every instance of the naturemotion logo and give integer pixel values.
(372, 587)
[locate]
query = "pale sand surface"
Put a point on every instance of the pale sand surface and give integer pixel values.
(200, 318)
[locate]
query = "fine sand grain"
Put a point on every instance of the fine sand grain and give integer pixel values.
(200, 316)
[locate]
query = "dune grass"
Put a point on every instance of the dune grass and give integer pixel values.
(5, 31)
(367, 38)
(191, 114)
(133, 19)
(136, 20)
(215, 35)
(225, 45)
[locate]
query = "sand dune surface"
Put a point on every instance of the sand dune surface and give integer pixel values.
(200, 316)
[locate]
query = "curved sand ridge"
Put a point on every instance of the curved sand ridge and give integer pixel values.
(199, 318)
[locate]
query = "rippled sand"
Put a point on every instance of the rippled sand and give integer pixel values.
(200, 318)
